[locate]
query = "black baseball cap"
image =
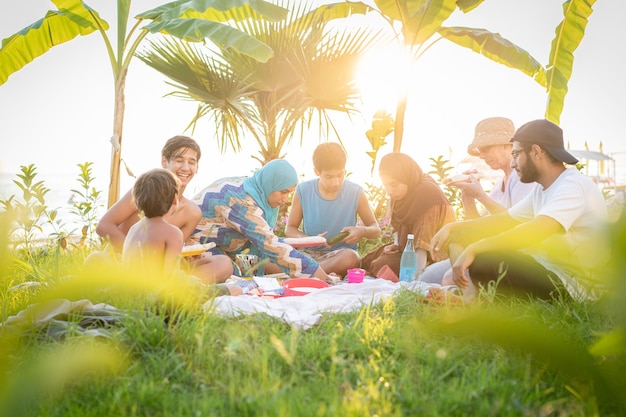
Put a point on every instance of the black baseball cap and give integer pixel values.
(545, 133)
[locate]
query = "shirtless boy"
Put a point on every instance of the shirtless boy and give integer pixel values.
(180, 156)
(153, 240)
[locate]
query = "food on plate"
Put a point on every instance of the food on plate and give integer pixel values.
(336, 238)
(455, 179)
(198, 249)
(305, 242)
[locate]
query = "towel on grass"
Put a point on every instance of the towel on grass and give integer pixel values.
(57, 317)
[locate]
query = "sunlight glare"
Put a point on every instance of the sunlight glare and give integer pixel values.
(383, 78)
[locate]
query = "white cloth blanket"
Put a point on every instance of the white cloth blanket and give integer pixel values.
(305, 311)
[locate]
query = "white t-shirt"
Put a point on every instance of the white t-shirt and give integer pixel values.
(580, 256)
(514, 190)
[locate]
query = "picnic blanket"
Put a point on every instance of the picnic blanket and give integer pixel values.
(305, 311)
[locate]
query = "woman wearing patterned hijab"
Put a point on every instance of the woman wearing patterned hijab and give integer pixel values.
(239, 215)
(418, 206)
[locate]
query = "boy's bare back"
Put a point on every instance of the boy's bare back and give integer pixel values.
(153, 240)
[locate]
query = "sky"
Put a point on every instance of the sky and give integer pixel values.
(57, 111)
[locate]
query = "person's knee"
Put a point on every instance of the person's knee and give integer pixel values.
(447, 278)
(214, 269)
(351, 258)
(434, 273)
(339, 262)
(98, 259)
(225, 265)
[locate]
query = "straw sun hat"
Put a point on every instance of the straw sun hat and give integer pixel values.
(491, 131)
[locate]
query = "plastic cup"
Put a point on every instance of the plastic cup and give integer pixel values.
(355, 275)
(387, 273)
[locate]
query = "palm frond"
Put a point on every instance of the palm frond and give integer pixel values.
(203, 77)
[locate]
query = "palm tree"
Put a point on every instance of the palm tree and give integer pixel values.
(189, 20)
(311, 74)
(417, 25)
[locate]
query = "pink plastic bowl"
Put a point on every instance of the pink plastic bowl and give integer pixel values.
(355, 275)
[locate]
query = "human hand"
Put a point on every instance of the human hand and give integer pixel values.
(391, 249)
(471, 188)
(439, 243)
(354, 234)
(472, 171)
(339, 237)
(460, 267)
(471, 175)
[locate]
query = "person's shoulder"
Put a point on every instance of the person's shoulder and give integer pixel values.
(123, 209)
(125, 201)
(573, 182)
(307, 188)
(352, 185)
(308, 183)
(175, 231)
(190, 207)
(574, 176)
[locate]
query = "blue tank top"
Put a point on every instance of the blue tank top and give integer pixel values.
(320, 215)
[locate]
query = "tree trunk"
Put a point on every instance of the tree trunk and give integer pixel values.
(116, 140)
(399, 126)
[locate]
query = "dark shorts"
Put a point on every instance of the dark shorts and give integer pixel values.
(516, 273)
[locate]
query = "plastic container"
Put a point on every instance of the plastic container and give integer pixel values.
(302, 286)
(408, 261)
(355, 275)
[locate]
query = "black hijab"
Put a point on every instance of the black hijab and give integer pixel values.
(423, 192)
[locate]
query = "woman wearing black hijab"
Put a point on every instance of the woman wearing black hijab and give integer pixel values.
(418, 207)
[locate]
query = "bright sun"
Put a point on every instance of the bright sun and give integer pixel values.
(383, 78)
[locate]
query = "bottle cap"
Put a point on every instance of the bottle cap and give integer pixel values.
(409, 236)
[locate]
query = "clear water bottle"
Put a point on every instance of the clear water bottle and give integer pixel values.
(408, 261)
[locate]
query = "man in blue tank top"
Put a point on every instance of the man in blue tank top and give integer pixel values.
(329, 205)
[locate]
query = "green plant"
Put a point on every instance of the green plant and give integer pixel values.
(382, 126)
(379, 201)
(86, 208)
(441, 168)
(30, 212)
(311, 75)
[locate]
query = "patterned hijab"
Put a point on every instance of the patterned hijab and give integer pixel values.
(423, 192)
(276, 175)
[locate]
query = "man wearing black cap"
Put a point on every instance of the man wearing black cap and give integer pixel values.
(551, 243)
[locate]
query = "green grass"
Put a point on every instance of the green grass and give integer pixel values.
(402, 357)
(166, 356)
